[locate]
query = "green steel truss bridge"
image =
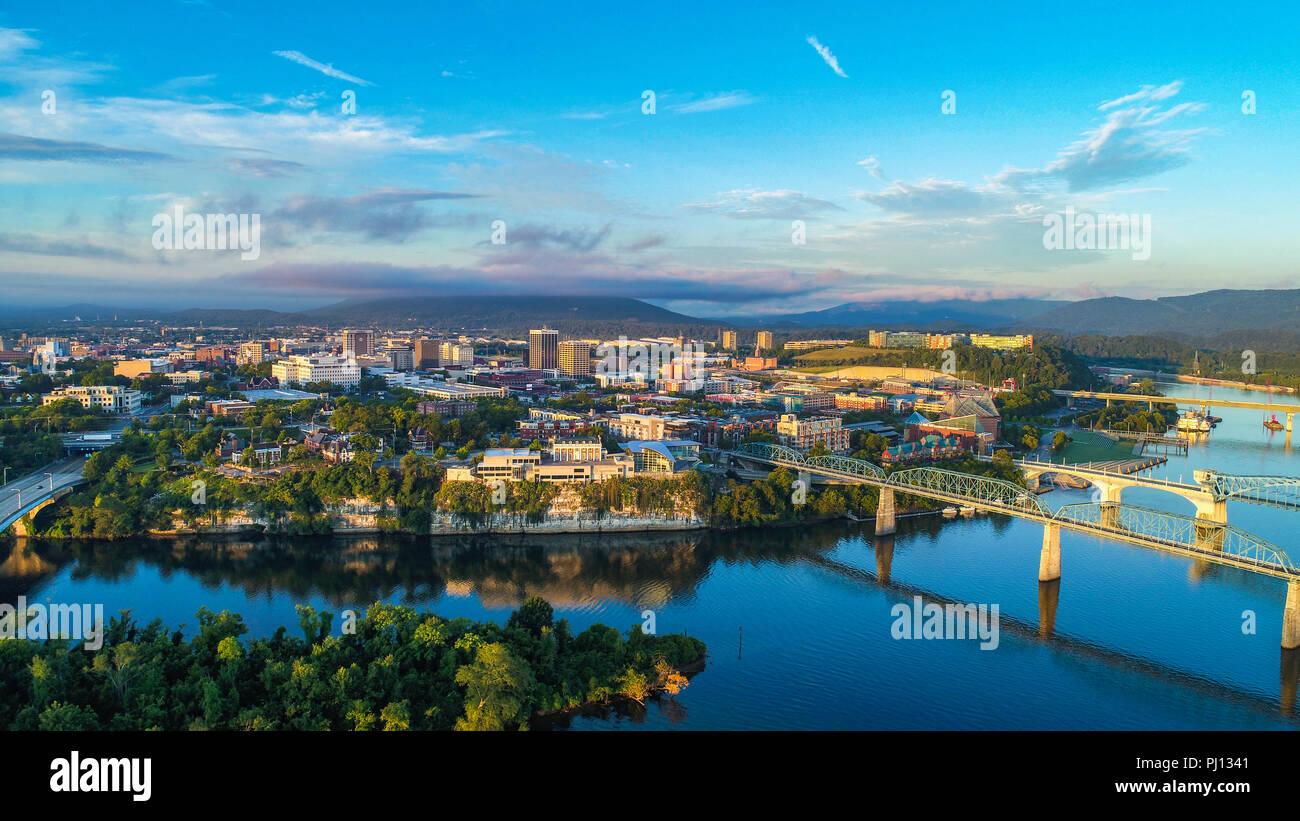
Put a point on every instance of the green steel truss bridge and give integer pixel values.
(1195, 537)
(1274, 491)
(1205, 537)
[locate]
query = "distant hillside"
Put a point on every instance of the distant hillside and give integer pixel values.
(948, 314)
(1196, 315)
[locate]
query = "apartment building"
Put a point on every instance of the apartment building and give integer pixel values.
(803, 434)
(1002, 343)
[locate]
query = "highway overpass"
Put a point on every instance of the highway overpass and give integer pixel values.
(31, 493)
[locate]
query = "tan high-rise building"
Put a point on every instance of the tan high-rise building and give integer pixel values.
(575, 357)
(729, 340)
(251, 353)
(426, 353)
(765, 340)
(543, 349)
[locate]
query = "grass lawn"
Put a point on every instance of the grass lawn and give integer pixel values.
(1091, 447)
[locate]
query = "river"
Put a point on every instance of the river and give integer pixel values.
(798, 621)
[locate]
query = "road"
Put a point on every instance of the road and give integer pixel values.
(37, 486)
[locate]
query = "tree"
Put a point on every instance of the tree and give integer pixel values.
(497, 690)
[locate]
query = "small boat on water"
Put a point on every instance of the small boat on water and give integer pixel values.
(950, 511)
(1272, 423)
(967, 510)
(1193, 422)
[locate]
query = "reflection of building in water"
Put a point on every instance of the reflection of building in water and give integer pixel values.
(460, 589)
(23, 562)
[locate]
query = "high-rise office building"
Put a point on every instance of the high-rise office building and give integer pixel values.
(575, 357)
(400, 357)
(764, 340)
(729, 340)
(358, 343)
(543, 349)
(426, 353)
(453, 354)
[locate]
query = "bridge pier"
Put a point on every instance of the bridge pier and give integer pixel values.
(1049, 561)
(1291, 616)
(885, 512)
(1288, 422)
(1110, 515)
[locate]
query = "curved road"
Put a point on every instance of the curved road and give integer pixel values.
(35, 488)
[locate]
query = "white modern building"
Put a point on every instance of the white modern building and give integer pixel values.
(302, 370)
(112, 398)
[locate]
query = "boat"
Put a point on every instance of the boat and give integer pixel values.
(967, 510)
(1193, 422)
(950, 511)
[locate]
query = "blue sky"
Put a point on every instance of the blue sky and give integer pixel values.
(531, 115)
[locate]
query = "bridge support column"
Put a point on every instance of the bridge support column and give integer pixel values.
(1212, 510)
(1288, 422)
(1291, 617)
(885, 512)
(1049, 562)
(1110, 515)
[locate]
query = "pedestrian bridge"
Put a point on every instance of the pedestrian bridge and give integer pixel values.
(1199, 537)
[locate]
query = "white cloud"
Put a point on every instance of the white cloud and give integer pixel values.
(324, 68)
(716, 102)
(827, 56)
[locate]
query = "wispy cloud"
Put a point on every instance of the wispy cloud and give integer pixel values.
(264, 167)
(755, 204)
(716, 102)
(827, 56)
(324, 68)
(20, 147)
(1129, 145)
(60, 247)
(389, 214)
(873, 167)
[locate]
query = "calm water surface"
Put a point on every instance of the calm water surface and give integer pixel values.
(1129, 639)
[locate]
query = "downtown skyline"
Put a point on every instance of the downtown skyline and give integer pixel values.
(531, 123)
